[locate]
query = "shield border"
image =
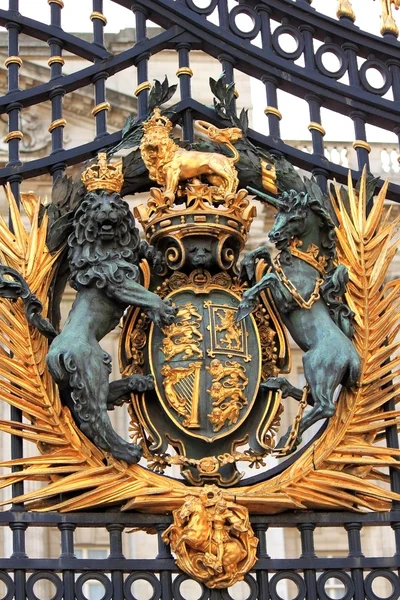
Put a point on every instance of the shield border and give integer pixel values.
(251, 402)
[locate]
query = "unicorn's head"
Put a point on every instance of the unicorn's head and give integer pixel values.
(303, 217)
(293, 219)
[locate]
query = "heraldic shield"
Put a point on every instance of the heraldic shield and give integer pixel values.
(208, 401)
(206, 365)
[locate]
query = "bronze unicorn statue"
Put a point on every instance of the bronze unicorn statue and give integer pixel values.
(306, 284)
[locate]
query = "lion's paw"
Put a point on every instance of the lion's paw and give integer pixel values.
(130, 453)
(141, 383)
(168, 312)
(163, 314)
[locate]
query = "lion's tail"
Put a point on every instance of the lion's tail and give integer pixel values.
(222, 136)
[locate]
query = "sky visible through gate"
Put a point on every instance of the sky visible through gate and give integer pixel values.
(75, 18)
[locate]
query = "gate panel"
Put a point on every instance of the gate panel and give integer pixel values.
(185, 28)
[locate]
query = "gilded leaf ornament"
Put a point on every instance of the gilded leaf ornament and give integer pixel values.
(344, 468)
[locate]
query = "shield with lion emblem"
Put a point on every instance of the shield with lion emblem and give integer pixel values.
(206, 366)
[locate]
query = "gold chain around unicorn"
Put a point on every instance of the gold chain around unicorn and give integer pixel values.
(297, 297)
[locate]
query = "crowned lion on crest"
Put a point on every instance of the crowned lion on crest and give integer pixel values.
(168, 164)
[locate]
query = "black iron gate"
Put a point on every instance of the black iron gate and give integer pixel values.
(257, 52)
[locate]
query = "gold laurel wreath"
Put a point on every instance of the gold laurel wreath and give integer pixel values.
(344, 468)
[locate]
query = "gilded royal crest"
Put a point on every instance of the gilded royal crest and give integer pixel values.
(204, 349)
(207, 368)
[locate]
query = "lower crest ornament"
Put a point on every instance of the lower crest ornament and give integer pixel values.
(212, 538)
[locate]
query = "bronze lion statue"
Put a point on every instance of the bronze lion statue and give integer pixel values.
(104, 253)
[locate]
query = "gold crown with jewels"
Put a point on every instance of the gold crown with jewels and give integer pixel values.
(103, 176)
(196, 212)
(157, 123)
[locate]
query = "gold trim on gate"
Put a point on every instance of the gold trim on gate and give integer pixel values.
(316, 127)
(362, 144)
(59, 2)
(184, 71)
(14, 135)
(13, 60)
(269, 303)
(264, 426)
(146, 85)
(57, 123)
(388, 24)
(272, 110)
(345, 9)
(98, 15)
(99, 107)
(56, 59)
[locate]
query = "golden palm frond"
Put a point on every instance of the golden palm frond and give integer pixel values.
(343, 468)
(69, 462)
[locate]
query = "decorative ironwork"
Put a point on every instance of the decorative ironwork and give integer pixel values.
(184, 28)
(340, 467)
(119, 572)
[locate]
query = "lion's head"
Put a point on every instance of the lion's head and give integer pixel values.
(157, 150)
(104, 243)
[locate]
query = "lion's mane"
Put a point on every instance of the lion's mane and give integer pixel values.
(94, 261)
(166, 150)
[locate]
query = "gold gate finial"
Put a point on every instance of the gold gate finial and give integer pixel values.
(388, 24)
(345, 9)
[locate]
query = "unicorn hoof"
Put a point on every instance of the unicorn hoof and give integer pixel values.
(284, 441)
(244, 309)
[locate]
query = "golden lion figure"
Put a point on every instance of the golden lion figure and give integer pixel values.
(227, 322)
(168, 164)
(219, 393)
(232, 369)
(187, 331)
(185, 346)
(228, 411)
(187, 312)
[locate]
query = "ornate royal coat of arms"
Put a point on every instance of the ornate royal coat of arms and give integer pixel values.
(204, 349)
(207, 365)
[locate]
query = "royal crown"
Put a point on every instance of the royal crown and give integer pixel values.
(157, 123)
(103, 176)
(196, 212)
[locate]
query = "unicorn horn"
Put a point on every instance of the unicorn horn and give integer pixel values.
(266, 197)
